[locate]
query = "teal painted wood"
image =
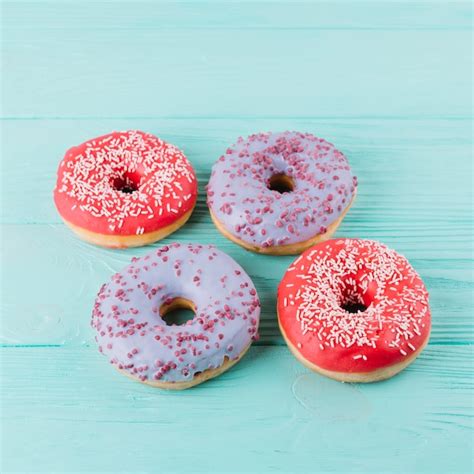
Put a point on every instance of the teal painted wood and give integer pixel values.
(63, 275)
(99, 67)
(400, 163)
(415, 211)
(388, 82)
(262, 14)
(268, 414)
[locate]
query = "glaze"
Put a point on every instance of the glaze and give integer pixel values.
(319, 176)
(131, 332)
(124, 183)
(355, 306)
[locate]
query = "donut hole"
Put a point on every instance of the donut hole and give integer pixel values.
(281, 183)
(353, 307)
(178, 312)
(353, 298)
(127, 183)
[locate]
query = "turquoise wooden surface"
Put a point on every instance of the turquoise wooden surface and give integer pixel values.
(389, 82)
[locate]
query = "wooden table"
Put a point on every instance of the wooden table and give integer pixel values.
(388, 82)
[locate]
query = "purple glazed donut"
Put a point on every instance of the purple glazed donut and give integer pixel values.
(128, 312)
(280, 193)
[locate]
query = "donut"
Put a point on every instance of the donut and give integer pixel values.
(353, 310)
(129, 309)
(125, 189)
(280, 193)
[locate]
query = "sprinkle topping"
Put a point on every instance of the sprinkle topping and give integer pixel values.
(131, 332)
(124, 183)
(353, 305)
(317, 177)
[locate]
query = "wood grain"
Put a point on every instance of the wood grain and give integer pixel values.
(415, 175)
(98, 68)
(62, 275)
(267, 14)
(421, 209)
(77, 409)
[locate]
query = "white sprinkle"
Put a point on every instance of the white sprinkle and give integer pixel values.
(318, 299)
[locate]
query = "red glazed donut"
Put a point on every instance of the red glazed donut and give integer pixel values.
(354, 310)
(125, 189)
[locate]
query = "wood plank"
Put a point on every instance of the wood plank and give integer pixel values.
(68, 410)
(415, 175)
(52, 280)
(321, 14)
(70, 72)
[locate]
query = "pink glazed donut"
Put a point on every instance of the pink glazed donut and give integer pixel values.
(128, 312)
(280, 193)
